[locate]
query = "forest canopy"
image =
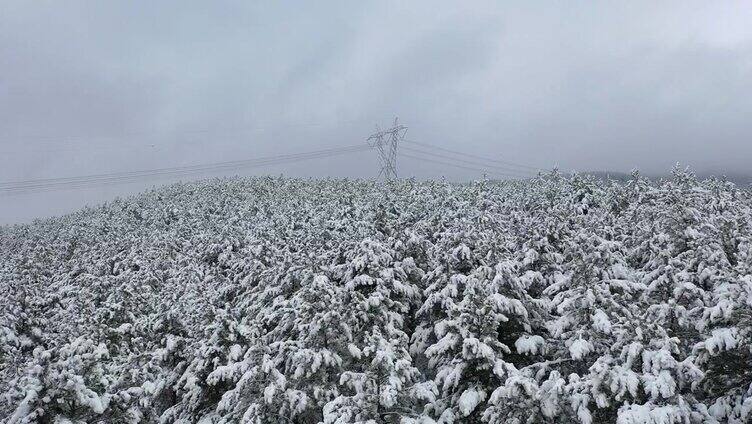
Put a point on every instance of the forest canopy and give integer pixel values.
(273, 300)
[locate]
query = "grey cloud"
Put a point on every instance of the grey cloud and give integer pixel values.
(105, 87)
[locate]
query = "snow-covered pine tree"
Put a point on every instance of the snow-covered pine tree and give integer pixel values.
(469, 308)
(594, 321)
(674, 297)
(379, 381)
(725, 353)
(65, 384)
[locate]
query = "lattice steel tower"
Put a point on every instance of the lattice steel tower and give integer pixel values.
(386, 141)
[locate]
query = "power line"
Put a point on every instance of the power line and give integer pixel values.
(175, 171)
(386, 141)
(110, 180)
(471, 168)
(87, 181)
(185, 167)
(135, 176)
(485, 171)
(475, 156)
(87, 148)
(496, 167)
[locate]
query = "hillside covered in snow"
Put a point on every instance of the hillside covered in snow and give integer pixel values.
(272, 300)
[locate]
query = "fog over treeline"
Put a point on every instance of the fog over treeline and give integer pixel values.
(89, 88)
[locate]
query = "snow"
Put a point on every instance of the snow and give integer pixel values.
(340, 301)
(579, 349)
(721, 339)
(601, 321)
(529, 344)
(650, 414)
(24, 407)
(469, 400)
(354, 351)
(658, 386)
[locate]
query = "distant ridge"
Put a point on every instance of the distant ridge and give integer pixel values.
(740, 179)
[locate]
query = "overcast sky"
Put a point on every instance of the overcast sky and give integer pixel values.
(96, 87)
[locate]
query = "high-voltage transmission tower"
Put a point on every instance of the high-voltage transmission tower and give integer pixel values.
(386, 141)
